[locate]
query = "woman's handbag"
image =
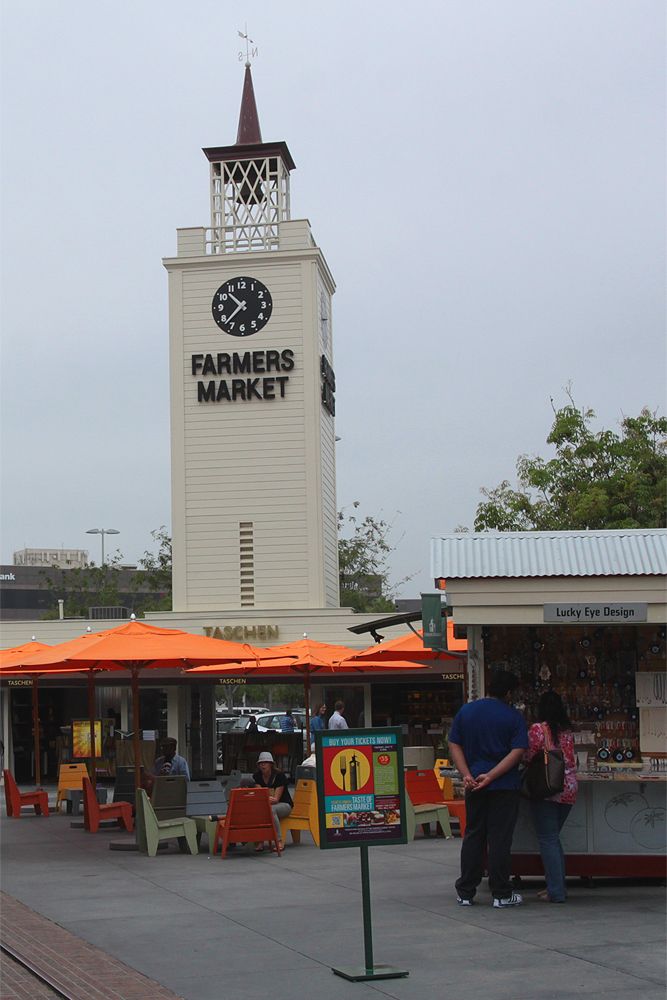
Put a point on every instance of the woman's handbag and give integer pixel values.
(545, 774)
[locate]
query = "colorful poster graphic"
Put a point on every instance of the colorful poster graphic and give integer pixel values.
(361, 793)
(81, 738)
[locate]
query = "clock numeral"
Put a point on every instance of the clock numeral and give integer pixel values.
(223, 318)
(254, 324)
(242, 328)
(223, 298)
(242, 284)
(261, 316)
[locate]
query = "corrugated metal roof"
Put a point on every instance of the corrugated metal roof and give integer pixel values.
(630, 552)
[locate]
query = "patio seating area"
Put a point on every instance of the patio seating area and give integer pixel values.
(302, 912)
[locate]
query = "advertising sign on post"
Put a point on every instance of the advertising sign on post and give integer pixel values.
(361, 803)
(433, 624)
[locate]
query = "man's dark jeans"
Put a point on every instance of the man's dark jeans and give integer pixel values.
(490, 820)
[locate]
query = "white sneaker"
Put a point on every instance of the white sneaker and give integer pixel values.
(514, 900)
(463, 902)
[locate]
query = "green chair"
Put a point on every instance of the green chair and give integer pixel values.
(426, 814)
(150, 830)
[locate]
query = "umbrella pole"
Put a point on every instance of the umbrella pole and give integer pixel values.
(91, 720)
(35, 728)
(135, 725)
(306, 698)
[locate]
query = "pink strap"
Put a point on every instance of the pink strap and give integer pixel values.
(547, 736)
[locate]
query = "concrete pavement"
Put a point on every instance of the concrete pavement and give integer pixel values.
(257, 925)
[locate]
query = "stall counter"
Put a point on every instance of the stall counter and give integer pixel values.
(616, 828)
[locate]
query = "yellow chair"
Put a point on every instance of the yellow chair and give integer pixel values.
(70, 778)
(304, 813)
(446, 784)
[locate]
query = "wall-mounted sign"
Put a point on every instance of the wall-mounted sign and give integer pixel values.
(267, 367)
(239, 633)
(587, 614)
(361, 791)
(19, 682)
(328, 386)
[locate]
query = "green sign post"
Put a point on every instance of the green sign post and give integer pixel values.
(433, 622)
(361, 802)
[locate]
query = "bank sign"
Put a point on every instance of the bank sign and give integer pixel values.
(588, 614)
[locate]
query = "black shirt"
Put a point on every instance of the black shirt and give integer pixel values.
(276, 780)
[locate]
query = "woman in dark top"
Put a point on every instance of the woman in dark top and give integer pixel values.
(268, 776)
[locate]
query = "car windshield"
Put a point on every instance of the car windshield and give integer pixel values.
(240, 723)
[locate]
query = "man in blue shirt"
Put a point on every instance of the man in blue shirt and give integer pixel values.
(486, 743)
(170, 762)
(287, 722)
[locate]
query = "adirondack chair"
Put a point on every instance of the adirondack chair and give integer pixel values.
(16, 800)
(205, 804)
(124, 790)
(151, 831)
(426, 804)
(70, 779)
(304, 813)
(94, 813)
(169, 795)
(249, 820)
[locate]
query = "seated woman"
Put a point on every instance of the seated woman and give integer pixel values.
(549, 815)
(268, 776)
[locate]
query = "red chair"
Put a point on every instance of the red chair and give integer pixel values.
(249, 819)
(457, 807)
(16, 800)
(93, 812)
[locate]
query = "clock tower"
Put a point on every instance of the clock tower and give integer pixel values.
(254, 521)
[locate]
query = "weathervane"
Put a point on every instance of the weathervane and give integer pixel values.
(248, 51)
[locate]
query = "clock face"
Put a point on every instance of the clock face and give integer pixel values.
(242, 306)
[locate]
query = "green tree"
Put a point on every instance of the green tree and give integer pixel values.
(363, 551)
(596, 479)
(84, 588)
(155, 575)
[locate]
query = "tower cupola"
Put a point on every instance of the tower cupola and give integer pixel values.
(250, 193)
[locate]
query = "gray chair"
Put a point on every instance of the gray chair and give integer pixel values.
(169, 796)
(205, 803)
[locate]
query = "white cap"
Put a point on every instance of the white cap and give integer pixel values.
(265, 757)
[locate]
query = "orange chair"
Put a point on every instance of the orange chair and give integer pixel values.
(249, 819)
(16, 800)
(93, 812)
(457, 807)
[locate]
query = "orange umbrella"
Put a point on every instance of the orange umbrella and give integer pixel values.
(305, 656)
(135, 646)
(8, 659)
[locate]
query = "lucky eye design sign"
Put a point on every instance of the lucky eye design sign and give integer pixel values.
(361, 791)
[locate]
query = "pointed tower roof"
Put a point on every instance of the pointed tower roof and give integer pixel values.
(249, 143)
(249, 130)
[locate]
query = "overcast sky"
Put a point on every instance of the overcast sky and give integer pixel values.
(485, 179)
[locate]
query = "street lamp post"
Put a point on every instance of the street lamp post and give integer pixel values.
(102, 532)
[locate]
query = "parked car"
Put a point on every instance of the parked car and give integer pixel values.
(271, 721)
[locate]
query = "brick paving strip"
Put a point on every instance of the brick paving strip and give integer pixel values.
(79, 969)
